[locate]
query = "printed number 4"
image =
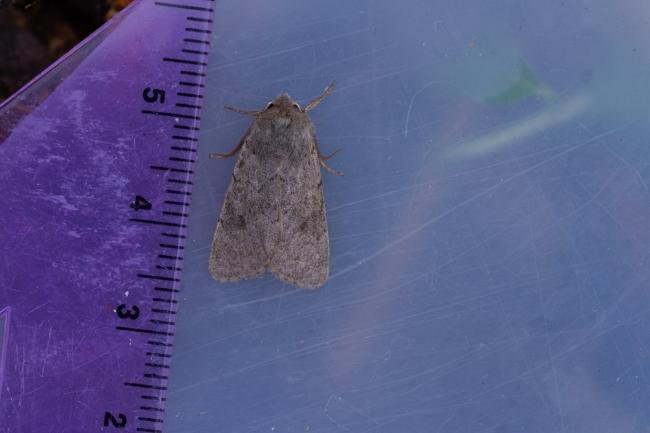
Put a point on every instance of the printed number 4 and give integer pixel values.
(140, 202)
(109, 418)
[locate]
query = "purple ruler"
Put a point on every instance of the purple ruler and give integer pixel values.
(96, 160)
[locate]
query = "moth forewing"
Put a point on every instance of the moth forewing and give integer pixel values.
(273, 215)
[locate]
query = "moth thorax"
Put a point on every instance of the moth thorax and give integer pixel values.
(280, 122)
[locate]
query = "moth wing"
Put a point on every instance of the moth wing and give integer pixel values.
(238, 249)
(301, 256)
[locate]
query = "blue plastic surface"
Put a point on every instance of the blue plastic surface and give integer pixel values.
(489, 241)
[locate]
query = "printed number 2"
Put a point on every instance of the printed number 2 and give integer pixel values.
(109, 418)
(153, 95)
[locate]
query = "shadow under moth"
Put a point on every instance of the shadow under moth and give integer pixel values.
(273, 215)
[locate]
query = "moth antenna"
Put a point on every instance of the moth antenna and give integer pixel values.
(314, 102)
(330, 169)
(244, 112)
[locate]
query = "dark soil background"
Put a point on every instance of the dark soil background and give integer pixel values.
(34, 33)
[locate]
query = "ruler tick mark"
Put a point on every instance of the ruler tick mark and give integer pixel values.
(157, 277)
(190, 84)
(159, 343)
(187, 182)
(166, 289)
(185, 126)
(185, 50)
(173, 235)
(155, 222)
(181, 6)
(178, 247)
(144, 385)
(196, 74)
(175, 170)
(178, 203)
(175, 158)
(163, 113)
(202, 20)
(162, 322)
(164, 256)
(168, 268)
(169, 301)
(184, 61)
(183, 149)
(156, 376)
(189, 95)
(174, 191)
(160, 311)
(182, 137)
(156, 409)
(160, 355)
(174, 213)
(151, 364)
(143, 331)
(195, 30)
(183, 105)
(143, 418)
(196, 41)
(153, 397)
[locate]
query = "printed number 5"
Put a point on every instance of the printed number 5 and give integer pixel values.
(109, 418)
(153, 95)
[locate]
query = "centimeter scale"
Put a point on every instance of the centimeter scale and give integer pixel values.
(96, 160)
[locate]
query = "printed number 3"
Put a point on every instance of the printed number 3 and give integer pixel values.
(109, 418)
(125, 313)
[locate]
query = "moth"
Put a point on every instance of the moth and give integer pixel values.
(273, 215)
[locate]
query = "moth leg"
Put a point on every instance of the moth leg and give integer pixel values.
(228, 154)
(234, 150)
(325, 158)
(241, 142)
(330, 169)
(322, 158)
(244, 112)
(314, 102)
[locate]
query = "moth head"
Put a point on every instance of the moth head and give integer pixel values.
(283, 103)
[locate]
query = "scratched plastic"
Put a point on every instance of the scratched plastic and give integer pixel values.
(489, 239)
